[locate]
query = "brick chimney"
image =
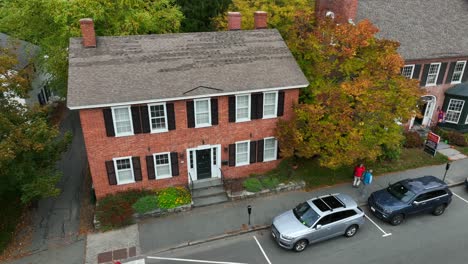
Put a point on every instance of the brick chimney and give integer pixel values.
(87, 31)
(260, 19)
(341, 10)
(234, 21)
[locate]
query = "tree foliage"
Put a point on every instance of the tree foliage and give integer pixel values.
(29, 146)
(355, 97)
(50, 24)
(198, 14)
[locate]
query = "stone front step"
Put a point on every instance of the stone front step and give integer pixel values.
(209, 191)
(210, 200)
(200, 184)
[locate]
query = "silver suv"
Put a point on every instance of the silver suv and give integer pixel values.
(317, 219)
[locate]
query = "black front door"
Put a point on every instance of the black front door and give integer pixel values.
(203, 164)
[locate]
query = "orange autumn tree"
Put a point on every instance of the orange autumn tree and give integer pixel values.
(356, 99)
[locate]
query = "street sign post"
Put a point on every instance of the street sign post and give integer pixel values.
(432, 142)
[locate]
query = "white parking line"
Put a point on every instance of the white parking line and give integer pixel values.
(385, 234)
(460, 197)
(195, 260)
(264, 254)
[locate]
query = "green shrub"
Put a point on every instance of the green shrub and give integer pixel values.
(146, 204)
(115, 210)
(252, 185)
(441, 132)
(413, 140)
(457, 138)
(173, 196)
(390, 153)
(270, 182)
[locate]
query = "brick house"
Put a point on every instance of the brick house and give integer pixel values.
(172, 109)
(433, 44)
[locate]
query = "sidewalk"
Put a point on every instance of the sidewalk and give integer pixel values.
(207, 223)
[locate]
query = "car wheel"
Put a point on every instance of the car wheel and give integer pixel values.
(397, 219)
(439, 210)
(351, 231)
(300, 245)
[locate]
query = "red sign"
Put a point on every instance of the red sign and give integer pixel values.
(433, 137)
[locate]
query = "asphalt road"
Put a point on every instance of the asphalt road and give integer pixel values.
(423, 239)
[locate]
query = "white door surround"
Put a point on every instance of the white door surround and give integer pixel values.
(215, 157)
(429, 111)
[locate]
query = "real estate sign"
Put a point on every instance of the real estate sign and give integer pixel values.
(432, 142)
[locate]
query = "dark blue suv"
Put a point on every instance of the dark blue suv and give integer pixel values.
(411, 196)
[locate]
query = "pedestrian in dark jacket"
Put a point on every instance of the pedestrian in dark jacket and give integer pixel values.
(366, 181)
(358, 172)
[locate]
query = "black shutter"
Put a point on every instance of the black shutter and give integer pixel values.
(417, 70)
(136, 168)
(214, 111)
(170, 116)
(232, 155)
(280, 103)
(259, 106)
(260, 150)
(150, 167)
(190, 114)
(442, 69)
(450, 72)
(174, 164)
(107, 112)
(136, 119)
(278, 152)
(111, 172)
(424, 75)
(253, 151)
(145, 120)
(253, 106)
(232, 109)
(465, 73)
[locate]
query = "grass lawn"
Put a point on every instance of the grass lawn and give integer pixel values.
(316, 176)
(11, 212)
(463, 150)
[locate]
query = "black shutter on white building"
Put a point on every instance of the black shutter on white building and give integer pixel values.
(416, 72)
(190, 114)
(232, 108)
(232, 155)
(260, 150)
(107, 113)
(424, 75)
(256, 108)
(214, 111)
(136, 168)
(174, 164)
(253, 151)
(442, 69)
(450, 72)
(150, 167)
(145, 120)
(136, 119)
(280, 111)
(111, 172)
(171, 125)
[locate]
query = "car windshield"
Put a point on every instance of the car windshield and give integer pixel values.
(400, 192)
(305, 214)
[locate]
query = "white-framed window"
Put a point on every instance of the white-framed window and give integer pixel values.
(158, 117)
(269, 149)
(242, 108)
(432, 74)
(162, 165)
(202, 113)
(454, 110)
(458, 71)
(122, 119)
(270, 104)
(242, 153)
(466, 121)
(408, 71)
(124, 170)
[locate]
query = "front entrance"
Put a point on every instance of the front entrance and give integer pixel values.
(203, 164)
(426, 107)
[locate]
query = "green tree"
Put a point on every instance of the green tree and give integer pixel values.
(355, 97)
(50, 24)
(198, 14)
(29, 146)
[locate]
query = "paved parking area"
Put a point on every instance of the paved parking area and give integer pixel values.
(420, 239)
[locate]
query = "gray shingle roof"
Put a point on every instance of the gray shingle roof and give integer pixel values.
(25, 51)
(138, 69)
(425, 28)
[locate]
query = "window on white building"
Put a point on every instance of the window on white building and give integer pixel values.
(242, 108)
(454, 110)
(122, 121)
(124, 170)
(433, 74)
(458, 71)
(408, 71)
(158, 117)
(270, 104)
(202, 113)
(269, 149)
(162, 165)
(242, 153)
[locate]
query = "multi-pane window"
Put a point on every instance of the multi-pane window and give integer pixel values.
(122, 121)
(242, 108)
(162, 165)
(454, 110)
(408, 71)
(458, 71)
(270, 101)
(202, 113)
(432, 74)
(269, 149)
(158, 117)
(124, 170)
(242, 153)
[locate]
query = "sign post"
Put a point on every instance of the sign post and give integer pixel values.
(432, 142)
(447, 167)
(249, 211)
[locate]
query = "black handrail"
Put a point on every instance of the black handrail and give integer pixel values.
(222, 180)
